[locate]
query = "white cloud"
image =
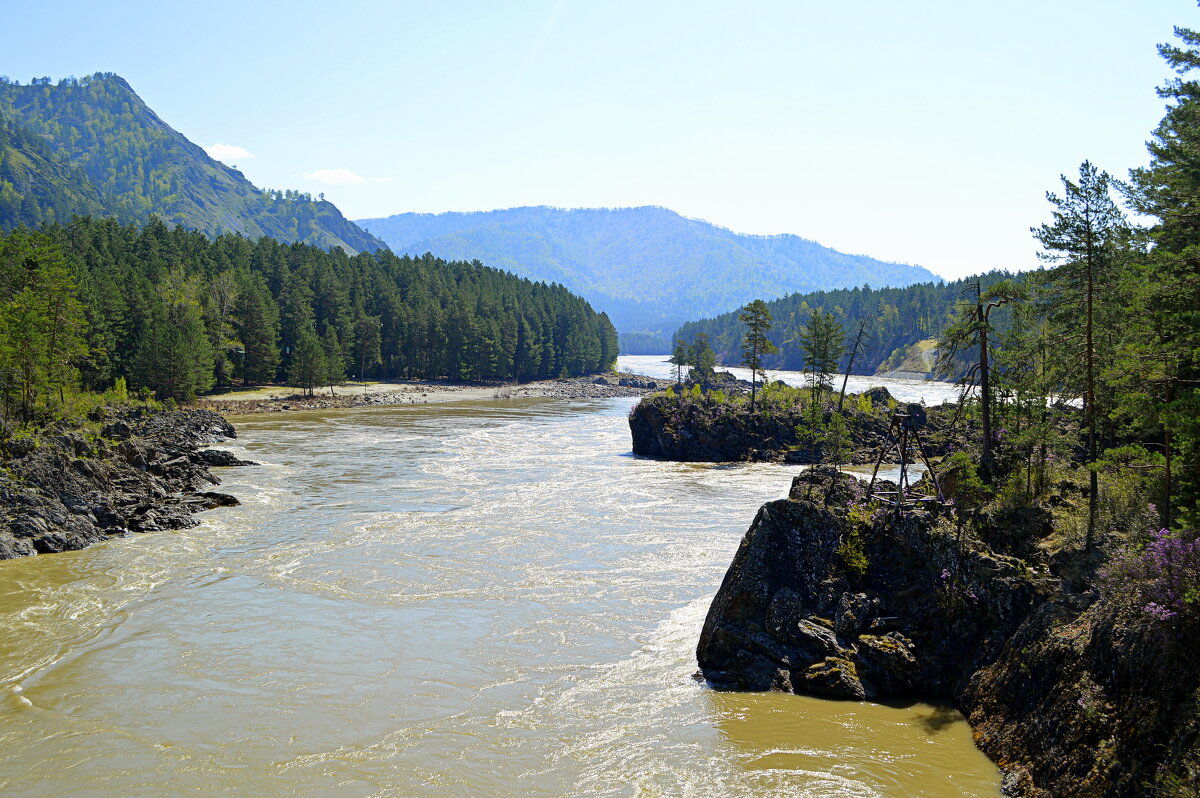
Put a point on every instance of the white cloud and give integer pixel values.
(228, 152)
(337, 177)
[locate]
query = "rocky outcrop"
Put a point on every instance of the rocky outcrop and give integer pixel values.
(1091, 700)
(672, 430)
(707, 430)
(792, 612)
(1070, 694)
(66, 489)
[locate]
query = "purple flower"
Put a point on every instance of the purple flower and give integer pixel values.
(1159, 612)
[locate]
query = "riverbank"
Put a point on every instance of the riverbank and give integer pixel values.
(276, 399)
(125, 470)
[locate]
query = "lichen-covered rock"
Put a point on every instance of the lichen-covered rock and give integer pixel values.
(833, 677)
(887, 663)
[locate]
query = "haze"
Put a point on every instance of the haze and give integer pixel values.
(924, 133)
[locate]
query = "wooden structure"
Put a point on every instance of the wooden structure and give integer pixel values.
(904, 436)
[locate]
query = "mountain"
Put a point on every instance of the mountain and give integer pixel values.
(92, 146)
(36, 186)
(649, 268)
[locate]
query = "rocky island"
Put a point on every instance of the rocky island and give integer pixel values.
(697, 425)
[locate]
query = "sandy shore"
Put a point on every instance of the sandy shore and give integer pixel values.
(272, 399)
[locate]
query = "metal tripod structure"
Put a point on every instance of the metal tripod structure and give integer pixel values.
(904, 435)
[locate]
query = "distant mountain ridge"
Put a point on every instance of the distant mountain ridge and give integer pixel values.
(91, 146)
(650, 268)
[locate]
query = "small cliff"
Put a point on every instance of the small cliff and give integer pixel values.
(706, 428)
(1070, 694)
(134, 470)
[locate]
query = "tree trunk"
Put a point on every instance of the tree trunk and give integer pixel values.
(985, 393)
(862, 326)
(1090, 405)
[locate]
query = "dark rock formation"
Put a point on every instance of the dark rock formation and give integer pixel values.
(704, 430)
(917, 621)
(219, 458)
(65, 490)
(1091, 700)
(1070, 694)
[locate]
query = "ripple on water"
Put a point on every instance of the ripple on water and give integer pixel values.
(487, 598)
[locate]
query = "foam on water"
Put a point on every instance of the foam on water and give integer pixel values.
(490, 598)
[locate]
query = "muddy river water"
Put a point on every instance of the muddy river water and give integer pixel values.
(490, 598)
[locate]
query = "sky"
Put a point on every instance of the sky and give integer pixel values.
(924, 132)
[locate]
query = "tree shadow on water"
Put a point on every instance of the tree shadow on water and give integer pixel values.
(940, 718)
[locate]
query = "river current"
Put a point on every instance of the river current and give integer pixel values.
(489, 598)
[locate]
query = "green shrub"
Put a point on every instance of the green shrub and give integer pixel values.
(853, 553)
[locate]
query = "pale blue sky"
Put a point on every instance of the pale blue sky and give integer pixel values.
(921, 132)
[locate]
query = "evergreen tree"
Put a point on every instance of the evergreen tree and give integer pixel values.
(307, 368)
(256, 319)
(702, 359)
(1162, 361)
(821, 342)
(335, 359)
(1084, 240)
(679, 359)
(366, 343)
(755, 343)
(222, 294)
(174, 357)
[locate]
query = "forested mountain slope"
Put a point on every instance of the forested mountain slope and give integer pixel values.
(94, 301)
(36, 186)
(93, 146)
(649, 267)
(896, 319)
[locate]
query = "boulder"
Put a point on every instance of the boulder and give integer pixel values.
(854, 612)
(219, 458)
(878, 396)
(833, 677)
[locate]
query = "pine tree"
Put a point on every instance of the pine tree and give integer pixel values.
(1084, 240)
(335, 358)
(702, 359)
(256, 319)
(755, 344)
(307, 368)
(1166, 318)
(679, 359)
(174, 357)
(821, 343)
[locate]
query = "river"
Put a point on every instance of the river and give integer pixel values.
(489, 598)
(931, 392)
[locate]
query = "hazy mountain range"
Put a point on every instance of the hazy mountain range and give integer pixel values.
(649, 268)
(91, 146)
